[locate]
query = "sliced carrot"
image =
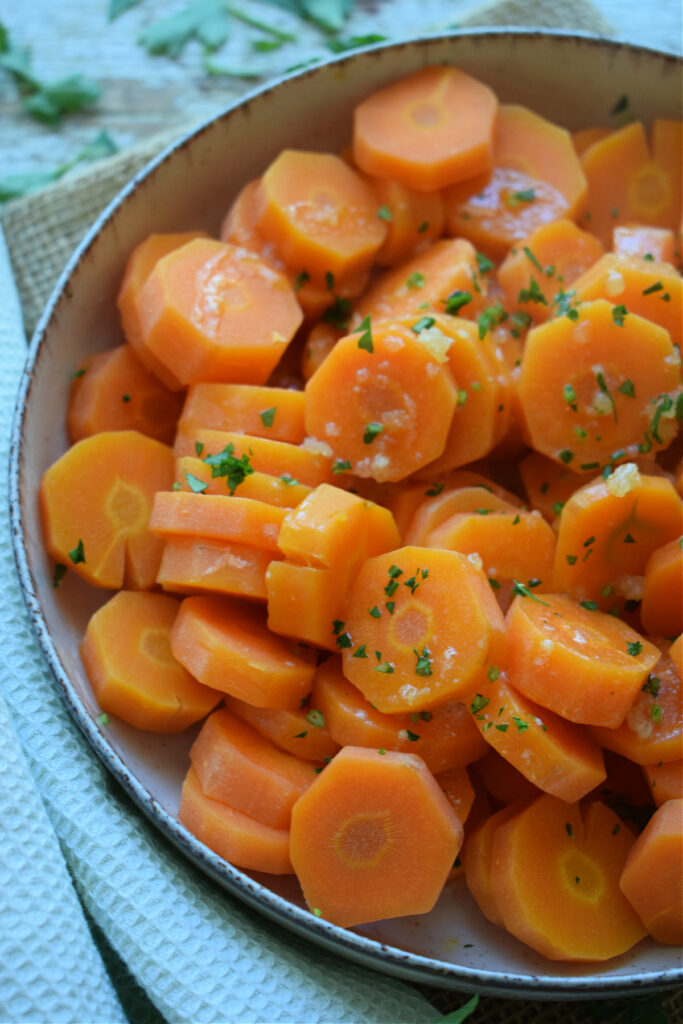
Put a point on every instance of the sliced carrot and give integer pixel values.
(139, 266)
(224, 450)
(661, 611)
(241, 520)
(236, 837)
(407, 499)
(652, 290)
(95, 502)
(598, 388)
(320, 215)
(394, 394)
(303, 602)
(666, 142)
(434, 510)
(581, 663)
(476, 857)
(377, 850)
(444, 738)
(446, 277)
(239, 767)
(459, 792)
(114, 391)
(555, 870)
(127, 657)
(502, 780)
(652, 880)
(482, 410)
(536, 178)
(428, 623)
(413, 219)
(239, 226)
(557, 756)
(429, 129)
(608, 530)
(300, 731)
(276, 413)
(548, 484)
(643, 241)
(203, 565)
(210, 311)
(318, 345)
(653, 729)
(545, 264)
(585, 137)
(192, 473)
(226, 644)
(510, 545)
(665, 779)
(626, 185)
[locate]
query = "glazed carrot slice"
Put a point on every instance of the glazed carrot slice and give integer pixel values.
(661, 610)
(581, 663)
(476, 857)
(239, 767)
(210, 311)
(300, 731)
(226, 644)
(558, 756)
(607, 532)
(445, 738)
(233, 456)
(194, 514)
(626, 185)
(652, 880)
(482, 410)
(394, 398)
(114, 391)
(95, 502)
(545, 264)
(303, 602)
(428, 622)
(377, 850)
(434, 510)
(536, 178)
(192, 473)
(276, 413)
(413, 219)
(239, 839)
(653, 729)
(427, 130)
(548, 485)
(406, 501)
(598, 388)
(555, 870)
(510, 545)
(652, 290)
(504, 783)
(200, 564)
(318, 345)
(459, 792)
(139, 266)
(666, 143)
(644, 241)
(320, 215)
(665, 780)
(444, 278)
(239, 226)
(127, 656)
(585, 137)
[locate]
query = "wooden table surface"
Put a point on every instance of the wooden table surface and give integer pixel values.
(143, 95)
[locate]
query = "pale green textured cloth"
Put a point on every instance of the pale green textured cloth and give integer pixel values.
(200, 955)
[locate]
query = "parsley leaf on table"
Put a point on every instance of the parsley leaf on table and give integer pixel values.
(207, 21)
(13, 186)
(117, 7)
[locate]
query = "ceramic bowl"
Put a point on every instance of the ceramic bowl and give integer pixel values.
(574, 80)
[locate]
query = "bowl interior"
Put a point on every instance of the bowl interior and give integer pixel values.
(573, 80)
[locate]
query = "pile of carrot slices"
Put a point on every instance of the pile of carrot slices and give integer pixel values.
(387, 480)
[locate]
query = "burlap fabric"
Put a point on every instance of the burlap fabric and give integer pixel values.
(42, 230)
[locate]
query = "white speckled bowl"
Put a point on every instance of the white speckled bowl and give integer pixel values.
(575, 80)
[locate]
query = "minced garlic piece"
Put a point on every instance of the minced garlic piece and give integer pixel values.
(625, 478)
(436, 341)
(316, 447)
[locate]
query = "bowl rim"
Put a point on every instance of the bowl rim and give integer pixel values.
(353, 946)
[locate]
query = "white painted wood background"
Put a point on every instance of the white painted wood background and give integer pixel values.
(144, 95)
